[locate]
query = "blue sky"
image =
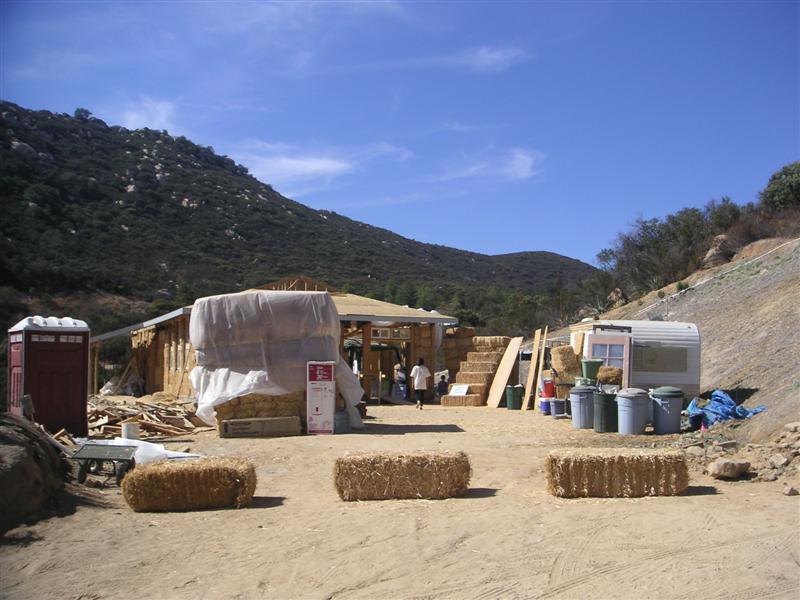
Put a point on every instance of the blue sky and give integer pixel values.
(493, 127)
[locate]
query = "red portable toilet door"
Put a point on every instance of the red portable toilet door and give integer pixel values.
(56, 379)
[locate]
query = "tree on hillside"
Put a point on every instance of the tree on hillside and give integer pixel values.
(82, 113)
(783, 189)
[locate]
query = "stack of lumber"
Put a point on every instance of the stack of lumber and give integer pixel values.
(478, 370)
(155, 415)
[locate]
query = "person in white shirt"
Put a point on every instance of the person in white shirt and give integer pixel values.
(419, 376)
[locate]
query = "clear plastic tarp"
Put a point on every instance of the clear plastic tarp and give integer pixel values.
(259, 342)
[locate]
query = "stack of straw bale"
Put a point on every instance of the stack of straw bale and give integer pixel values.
(610, 375)
(190, 485)
(457, 343)
(567, 366)
(253, 406)
(616, 473)
(385, 476)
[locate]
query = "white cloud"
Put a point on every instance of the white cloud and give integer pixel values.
(514, 164)
(487, 58)
(521, 164)
(155, 114)
(299, 170)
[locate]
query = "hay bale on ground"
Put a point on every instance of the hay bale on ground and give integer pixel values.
(615, 473)
(428, 475)
(465, 400)
(190, 485)
(610, 375)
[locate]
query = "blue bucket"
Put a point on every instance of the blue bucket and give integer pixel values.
(544, 406)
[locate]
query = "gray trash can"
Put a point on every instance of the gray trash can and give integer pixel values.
(667, 405)
(582, 404)
(632, 411)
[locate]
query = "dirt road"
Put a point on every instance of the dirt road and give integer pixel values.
(506, 539)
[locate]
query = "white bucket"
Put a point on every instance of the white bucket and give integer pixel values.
(130, 431)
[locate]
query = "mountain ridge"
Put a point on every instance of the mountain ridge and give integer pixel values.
(94, 208)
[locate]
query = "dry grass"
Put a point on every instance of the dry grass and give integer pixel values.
(384, 476)
(615, 473)
(190, 485)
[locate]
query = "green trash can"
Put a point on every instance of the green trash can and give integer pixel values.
(590, 367)
(605, 413)
(514, 397)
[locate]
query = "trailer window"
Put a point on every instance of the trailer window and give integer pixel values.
(660, 359)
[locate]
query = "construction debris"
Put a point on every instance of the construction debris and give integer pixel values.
(158, 416)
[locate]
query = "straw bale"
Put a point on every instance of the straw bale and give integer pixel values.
(478, 367)
(190, 485)
(565, 362)
(484, 356)
(491, 341)
(615, 473)
(465, 400)
(386, 476)
(475, 377)
(610, 375)
(253, 406)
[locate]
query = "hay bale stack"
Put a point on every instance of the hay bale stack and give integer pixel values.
(478, 367)
(254, 406)
(564, 360)
(473, 377)
(465, 400)
(428, 475)
(615, 473)
(484, 356)
(489, 343)
(610, 375)
(190, 485)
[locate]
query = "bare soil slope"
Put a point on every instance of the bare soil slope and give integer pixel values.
(749, 321)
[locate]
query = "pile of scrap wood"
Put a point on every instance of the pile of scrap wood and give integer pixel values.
(157, 416)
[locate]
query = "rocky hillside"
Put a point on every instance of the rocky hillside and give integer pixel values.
(145, 216)
(748, 314)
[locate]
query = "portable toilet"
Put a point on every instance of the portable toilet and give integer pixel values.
(48, 359)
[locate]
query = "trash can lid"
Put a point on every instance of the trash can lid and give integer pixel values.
(582, 389)
(632, 393)
(592, 360)
(668, 391)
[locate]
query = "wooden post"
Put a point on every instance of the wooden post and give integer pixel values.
(95, 368)
(366, 357)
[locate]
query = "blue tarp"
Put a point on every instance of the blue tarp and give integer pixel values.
(720, 408)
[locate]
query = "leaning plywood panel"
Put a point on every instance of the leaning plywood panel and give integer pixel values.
(529, 392)
(503, 373)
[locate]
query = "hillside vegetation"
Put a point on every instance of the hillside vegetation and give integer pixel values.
(92, 211)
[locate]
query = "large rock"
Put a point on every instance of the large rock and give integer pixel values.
(778, 460)
(728, 468)
(31, 471)
(719, 253)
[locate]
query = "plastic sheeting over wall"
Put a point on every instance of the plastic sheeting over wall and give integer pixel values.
(259, 343)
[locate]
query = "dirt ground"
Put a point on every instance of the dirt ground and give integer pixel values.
(506, 539)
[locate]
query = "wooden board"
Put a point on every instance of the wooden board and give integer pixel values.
(537, 337)
(503, 373)
(540, 366)
(578, 347)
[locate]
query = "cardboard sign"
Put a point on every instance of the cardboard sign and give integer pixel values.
(320, 396)
(459, 389)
